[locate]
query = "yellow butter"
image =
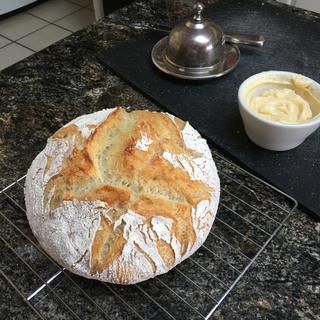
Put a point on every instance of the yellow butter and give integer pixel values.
(282, 105)
(289, 100)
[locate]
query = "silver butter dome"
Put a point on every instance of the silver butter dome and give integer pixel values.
(196, 42)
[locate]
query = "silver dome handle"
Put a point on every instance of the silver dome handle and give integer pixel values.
(197, 10)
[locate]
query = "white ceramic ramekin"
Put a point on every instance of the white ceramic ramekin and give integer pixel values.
(269, 134)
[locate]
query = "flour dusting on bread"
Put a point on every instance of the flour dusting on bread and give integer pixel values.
(122, 197)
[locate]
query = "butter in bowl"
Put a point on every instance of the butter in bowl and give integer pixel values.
(279, 109)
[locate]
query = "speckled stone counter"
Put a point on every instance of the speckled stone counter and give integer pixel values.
(43, 92)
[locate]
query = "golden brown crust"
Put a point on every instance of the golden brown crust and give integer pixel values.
(67, 131)
(180, 214)
(109, 194)
(104, 240)
(166, 252)
(110, 167)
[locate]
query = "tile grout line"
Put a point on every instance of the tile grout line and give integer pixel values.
(69, 14)
(44, 26)
(54, 22)
(6, 39)
(16, 41)
(6, 44)
(27, 34)
(87, 6)
(80, 5)
(22, 45)
(42, 19)
(48, 22)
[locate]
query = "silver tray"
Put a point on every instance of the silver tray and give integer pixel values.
(230, 61)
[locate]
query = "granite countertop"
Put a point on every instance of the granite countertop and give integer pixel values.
(43, 92)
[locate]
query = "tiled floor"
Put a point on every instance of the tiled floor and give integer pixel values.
(25, 33)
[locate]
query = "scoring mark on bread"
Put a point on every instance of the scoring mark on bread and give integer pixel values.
(147, 257)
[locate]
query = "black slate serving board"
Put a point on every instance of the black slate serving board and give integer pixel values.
(293, 44)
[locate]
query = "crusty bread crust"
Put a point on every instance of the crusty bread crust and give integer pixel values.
(122, 197)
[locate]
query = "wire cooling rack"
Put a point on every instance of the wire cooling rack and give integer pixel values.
(250, 214)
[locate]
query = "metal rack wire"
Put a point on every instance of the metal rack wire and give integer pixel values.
(251, 213)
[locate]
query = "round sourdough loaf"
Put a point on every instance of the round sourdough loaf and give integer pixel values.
(122, 197)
